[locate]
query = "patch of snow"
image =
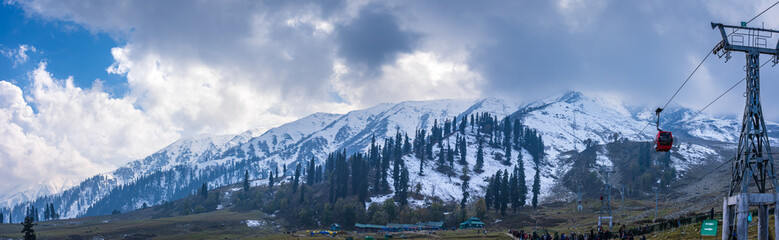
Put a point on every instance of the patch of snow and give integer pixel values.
(253, 223)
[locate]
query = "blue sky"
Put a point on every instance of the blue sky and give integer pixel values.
(173, 69)
(73, 50)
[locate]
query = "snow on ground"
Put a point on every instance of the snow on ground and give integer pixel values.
(254, 223)
(602, 159)
(694, 154)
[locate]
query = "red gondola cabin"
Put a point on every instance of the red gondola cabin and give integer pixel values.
(664, 141)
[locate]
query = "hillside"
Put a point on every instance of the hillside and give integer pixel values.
(580, 133)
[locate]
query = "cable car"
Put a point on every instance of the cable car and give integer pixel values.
(664, 140)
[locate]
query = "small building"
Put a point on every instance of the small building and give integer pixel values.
(396, 227)
(335, 227)
(431, 225)
(359, 227)
(472, 222)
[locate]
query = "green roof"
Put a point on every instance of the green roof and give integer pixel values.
(472, 220)
(360, 225)
(432, 224)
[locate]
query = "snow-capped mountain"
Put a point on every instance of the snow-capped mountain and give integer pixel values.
(567, 123)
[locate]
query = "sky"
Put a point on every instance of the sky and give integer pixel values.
(86, 86)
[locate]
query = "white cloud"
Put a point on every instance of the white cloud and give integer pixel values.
(414, 76)
(72, 134)
(18, 55)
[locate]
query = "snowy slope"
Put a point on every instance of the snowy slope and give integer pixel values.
(564, 121)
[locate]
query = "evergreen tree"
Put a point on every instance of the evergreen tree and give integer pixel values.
(311, 173)
(507, 137)
(465, 188)
(46, 212)
(504, 193)
(463, 151)
(536, 186)
(479, 160)
(449, 155)
(319, 174)
(514, 190)
(204, 190)
(10, 218)
(29, 233)
(403, 196)
(522, 184)
(2, 218)
(441, 157)
(406, 145)
(463, 122)
(517, 133)
(54, 213)
(496, 191)
(246, 180)
(283, 171)
(296, 179)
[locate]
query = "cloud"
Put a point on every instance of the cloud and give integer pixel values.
(72, 134)
(413, 76)
(214, 67)
(374, 38)
(18, 55)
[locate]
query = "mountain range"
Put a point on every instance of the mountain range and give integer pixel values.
(569, 123)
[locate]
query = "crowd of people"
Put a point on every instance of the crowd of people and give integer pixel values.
(624, 234)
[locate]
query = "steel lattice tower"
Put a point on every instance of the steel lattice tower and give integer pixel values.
(753, 162)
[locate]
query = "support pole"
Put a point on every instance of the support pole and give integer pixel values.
(742, 212)
(655, 205)
(726, 219)
(776, 217)
(762, 221)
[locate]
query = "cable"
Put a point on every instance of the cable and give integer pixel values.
(761, 13)
(679, 89)
(712, 102)
(696, 69)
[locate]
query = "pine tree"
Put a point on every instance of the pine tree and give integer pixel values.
(296, 180)
(522, 184)
(465, 188)
(514, 190)
(441, 157)
(46, 212)
(496, 194)
(463, 151)
(204, 190)
(54, 213)
(2, 218)
(246, 180)
(403, 196)
(449, 155)
(311, 173)
(29, 233)
(504, 193)
(463, 122)
(536, 186)
(507, 137)
(283, 171)
(479, 159)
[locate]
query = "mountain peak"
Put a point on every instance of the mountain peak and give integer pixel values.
(570, 96)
